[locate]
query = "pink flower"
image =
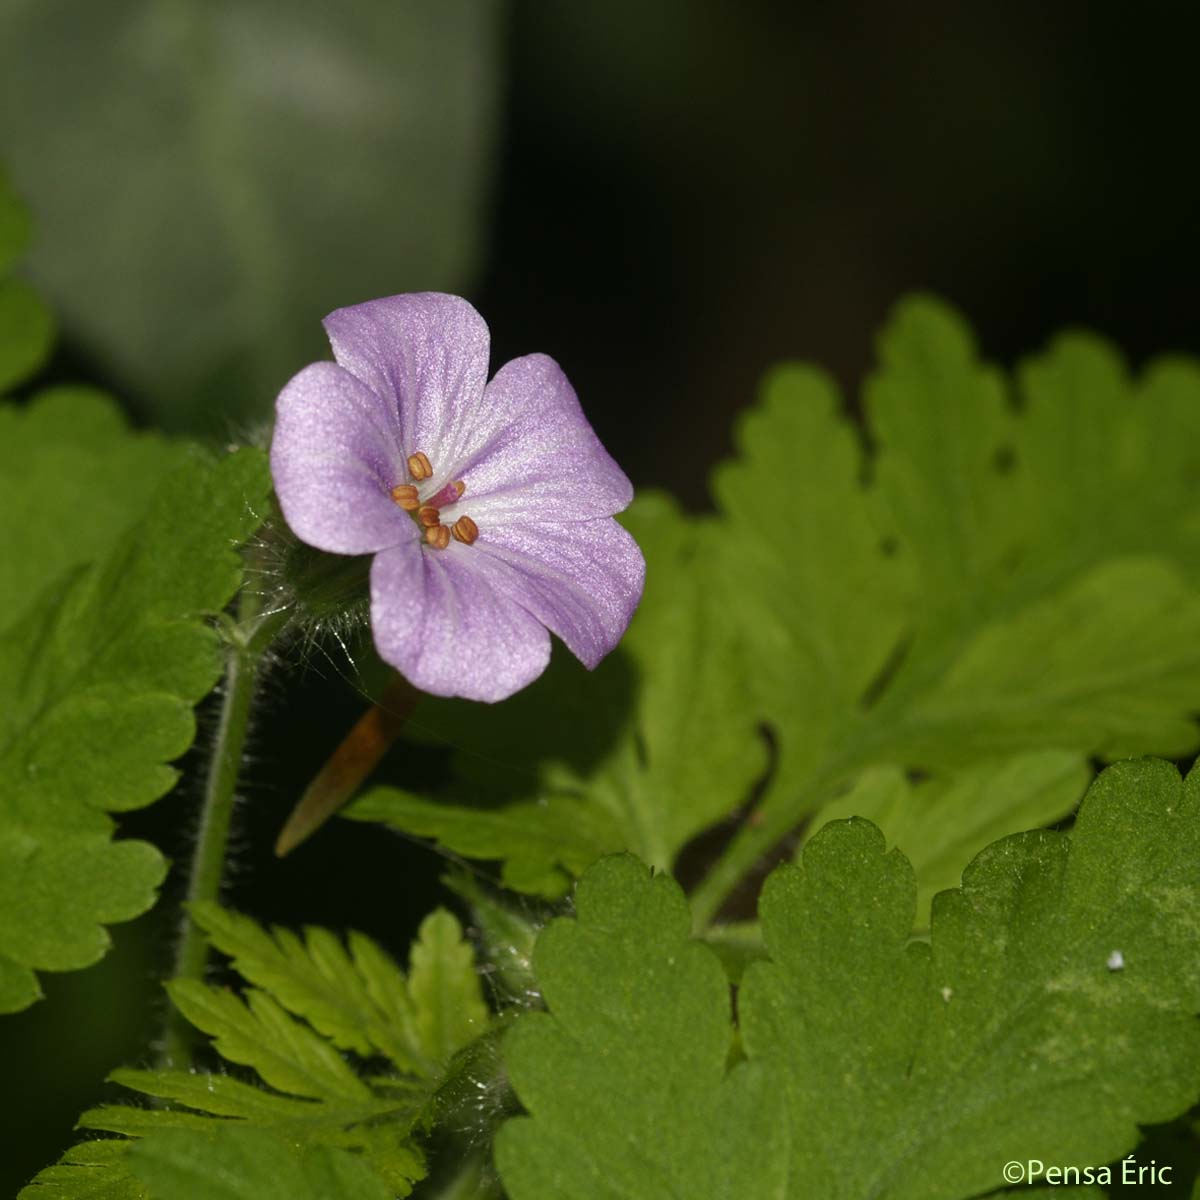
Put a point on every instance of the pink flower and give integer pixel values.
(488, 506)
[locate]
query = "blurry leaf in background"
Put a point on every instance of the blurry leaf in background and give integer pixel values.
(655, 745)
(211, 179)
(101, 667)
(26, 327)
(14, 225)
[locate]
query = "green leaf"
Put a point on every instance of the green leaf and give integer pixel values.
(26, 327)
(1051, 1014)
(259, 1034)
(637, 1037)
(89, 1171)
(14, 225)
(314, 1105)
(26, 332)
(248, 1164)
(444, 987)
(73, 479)
(356, 996)
(653, 747)
(989, 580)
(542, 844)
(942, 823)
(97, 684)
(1019, 1035)
(215, 212)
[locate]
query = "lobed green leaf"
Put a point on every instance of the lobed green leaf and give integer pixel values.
(357, 997)
(992, 578)
(98, 678)
(1052, 1012)
(314, 1106)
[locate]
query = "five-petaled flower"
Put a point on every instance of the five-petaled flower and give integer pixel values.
(488, 506)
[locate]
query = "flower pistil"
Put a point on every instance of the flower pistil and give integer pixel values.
(427, 513)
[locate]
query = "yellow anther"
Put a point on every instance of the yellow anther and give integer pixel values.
(405, 495)
(438, 536)
(419, 467)
(465, 530)
(428, 515)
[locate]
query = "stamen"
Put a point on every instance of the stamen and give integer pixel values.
(419, 466)
(465, 530)
(438, 536)
(428, 515)
(449, 494)
(405, 495)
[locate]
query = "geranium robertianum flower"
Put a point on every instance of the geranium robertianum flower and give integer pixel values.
(488, 506)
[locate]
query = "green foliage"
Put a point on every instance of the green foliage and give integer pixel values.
(990, 580)
(249, 1164)
(198, 217)
(1019, 609)
(874, 1065)
(942, 823)
(656, 745)
(355, 995)
(14, 225)
(938, 633)
(101, 661)
(26, 328)
(538, 842)
(73, 478)
(1007, 579)
(311, 1110)
(89, 1171)
(652, 1109)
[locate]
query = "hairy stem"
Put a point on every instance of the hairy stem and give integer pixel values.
(247, 642)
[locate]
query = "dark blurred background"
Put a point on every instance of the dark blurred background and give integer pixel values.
(666, 196)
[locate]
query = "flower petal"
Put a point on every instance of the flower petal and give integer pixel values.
(438, 620)
(425, 351)
(583, 579)
(335, 455)
(530, 454)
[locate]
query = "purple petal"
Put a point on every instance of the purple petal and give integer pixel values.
(530, 454)
(441, 624)
(334, 458)
(583, 579)
(426, 352)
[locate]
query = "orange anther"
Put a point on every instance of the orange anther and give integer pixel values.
(419, 467)
(405, 495)
(438, 536)
(428, 515)
(465, 530)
